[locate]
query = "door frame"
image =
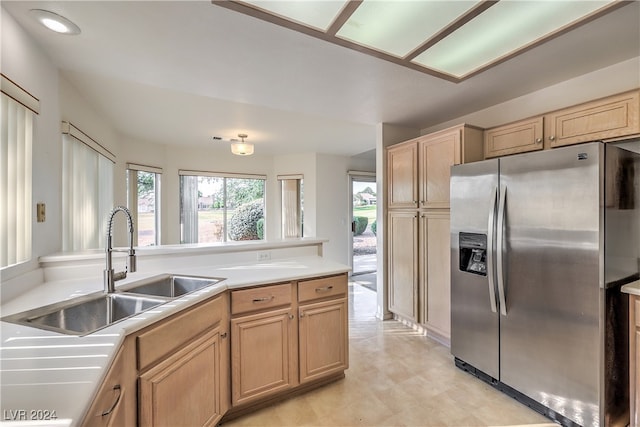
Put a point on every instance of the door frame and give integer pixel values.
(354, 176)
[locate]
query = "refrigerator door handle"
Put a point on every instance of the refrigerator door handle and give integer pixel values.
(491, 229)
(500, 249)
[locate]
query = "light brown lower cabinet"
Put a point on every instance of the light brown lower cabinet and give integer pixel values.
(435, 272)
(227, 355)
(323, 334)
(185, 388)
(183, 364)
(115, 403)
(403, 263)
(261, 350)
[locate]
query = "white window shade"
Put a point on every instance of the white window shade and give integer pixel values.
(15, 182)
(87, 195)
(291, 205)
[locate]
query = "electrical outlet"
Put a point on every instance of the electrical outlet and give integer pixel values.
(264, 256)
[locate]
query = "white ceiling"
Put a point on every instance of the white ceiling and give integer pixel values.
(179, 72)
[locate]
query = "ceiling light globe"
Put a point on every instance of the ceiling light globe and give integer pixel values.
(242, 149)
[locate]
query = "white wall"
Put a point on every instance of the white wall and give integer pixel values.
(24, 63)
(617, 78)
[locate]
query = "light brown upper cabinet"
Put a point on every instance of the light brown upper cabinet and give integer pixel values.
(605, 119)
(518, 137)
(418, 169)
(402, 170)
(609, 118)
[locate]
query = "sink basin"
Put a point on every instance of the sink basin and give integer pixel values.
(171, 286)
(87, 314)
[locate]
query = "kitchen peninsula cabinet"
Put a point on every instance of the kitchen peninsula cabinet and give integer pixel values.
(264, 346)
(323, 333)
(115, 403)
(228, 355)
(183, 367)
(418, 174)
(609, 118)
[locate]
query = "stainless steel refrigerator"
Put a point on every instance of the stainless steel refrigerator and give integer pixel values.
(540, 245)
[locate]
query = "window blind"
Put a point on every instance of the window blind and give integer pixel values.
(15, 183)
(87, 194)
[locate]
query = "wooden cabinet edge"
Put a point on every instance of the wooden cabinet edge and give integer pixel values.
(118, 388)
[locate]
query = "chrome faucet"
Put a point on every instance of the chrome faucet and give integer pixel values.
(110, 277)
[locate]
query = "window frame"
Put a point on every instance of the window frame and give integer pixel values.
(132, 198)
(224, 175)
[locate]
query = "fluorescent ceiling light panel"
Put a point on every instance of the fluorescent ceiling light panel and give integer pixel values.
(318, 14)
(500, 30)
(398, 27)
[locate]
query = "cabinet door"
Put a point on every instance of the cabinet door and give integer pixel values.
(323, 339)
(612, 117)
(184, 389)
(115, 403)
(435, 272)
(402, 175)
(437, 154)
(519, 137)
(403, 263)
(262, 346)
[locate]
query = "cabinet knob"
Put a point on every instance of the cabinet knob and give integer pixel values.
(301, 314)
(291, 316)
(538, 140)
(223, 335)
(552, 138)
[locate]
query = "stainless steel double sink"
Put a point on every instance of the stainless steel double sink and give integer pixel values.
(90, 313)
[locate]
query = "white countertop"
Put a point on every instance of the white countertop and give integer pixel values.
(48, 371)
(632, 288)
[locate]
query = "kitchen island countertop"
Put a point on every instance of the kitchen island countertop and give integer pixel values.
(45, 374)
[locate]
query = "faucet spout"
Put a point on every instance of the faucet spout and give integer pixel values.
(110, 277)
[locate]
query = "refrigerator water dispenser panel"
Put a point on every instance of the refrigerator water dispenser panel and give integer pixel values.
(473, 253)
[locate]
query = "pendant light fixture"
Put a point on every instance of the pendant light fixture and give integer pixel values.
(242, 148)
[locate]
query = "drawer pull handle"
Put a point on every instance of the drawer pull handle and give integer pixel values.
(324, 289)
(110, 410)
(263, 299)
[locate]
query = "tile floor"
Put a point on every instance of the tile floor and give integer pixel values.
(396, 377)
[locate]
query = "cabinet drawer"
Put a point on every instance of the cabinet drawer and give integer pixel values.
(322, 288)
(248, 300)
(175, 332)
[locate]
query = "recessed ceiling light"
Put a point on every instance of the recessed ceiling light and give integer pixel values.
(55, 22)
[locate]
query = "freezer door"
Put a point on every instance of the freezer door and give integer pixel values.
(474, 317)
(549, 334)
